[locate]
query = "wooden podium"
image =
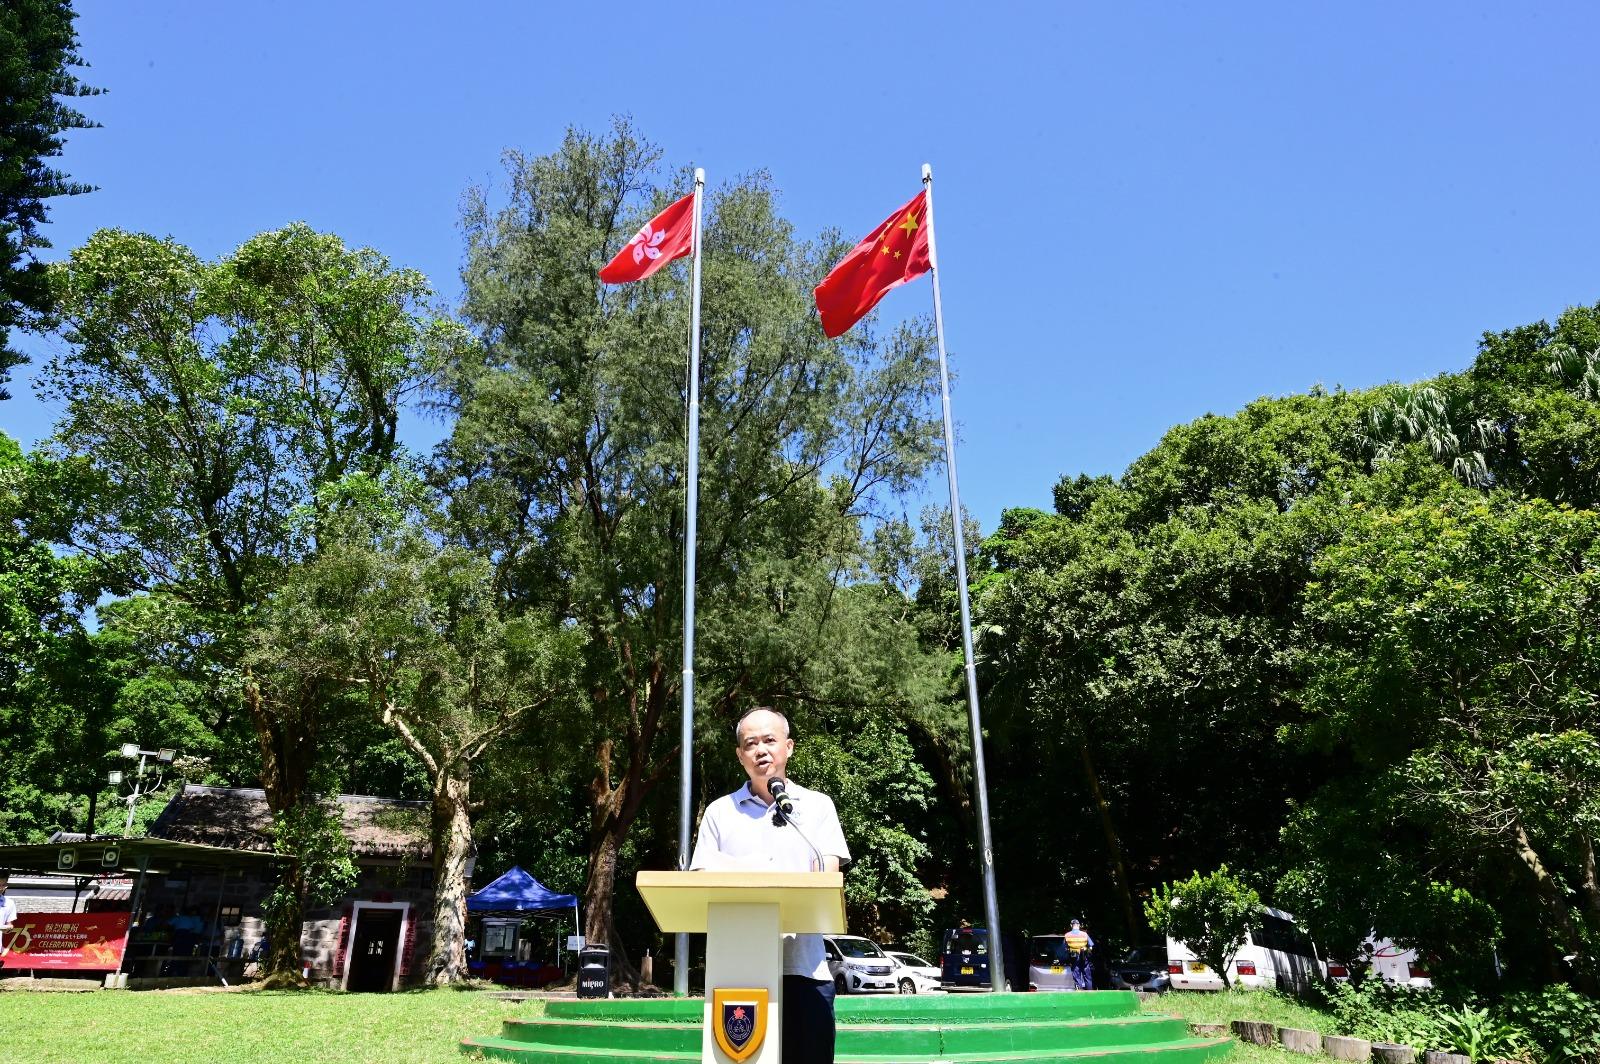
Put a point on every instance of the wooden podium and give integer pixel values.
(744, 916)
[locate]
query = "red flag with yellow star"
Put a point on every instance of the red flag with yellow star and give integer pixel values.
(895, 252)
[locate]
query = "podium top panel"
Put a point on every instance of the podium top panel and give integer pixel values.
(808, 902)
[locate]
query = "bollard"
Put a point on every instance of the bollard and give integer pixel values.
(1255, 1032)
(1343, 1047)
(1298, 1041)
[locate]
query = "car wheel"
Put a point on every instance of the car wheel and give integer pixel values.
(907, 986)
(839, 985)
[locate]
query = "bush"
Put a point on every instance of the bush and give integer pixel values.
(1384, 1012)
(1564, 1024)
(1209, 914)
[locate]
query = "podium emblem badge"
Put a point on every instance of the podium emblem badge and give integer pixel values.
(739, 1020)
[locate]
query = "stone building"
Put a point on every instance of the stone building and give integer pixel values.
(373, 939)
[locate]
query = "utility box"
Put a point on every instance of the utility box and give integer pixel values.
(594, 971)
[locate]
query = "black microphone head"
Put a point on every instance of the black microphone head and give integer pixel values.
(776, 786)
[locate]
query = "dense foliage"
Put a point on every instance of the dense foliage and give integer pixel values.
(1338, 642)
(37, 53)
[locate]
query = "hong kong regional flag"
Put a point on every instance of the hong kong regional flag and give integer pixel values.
(896, 252)
(667, 236)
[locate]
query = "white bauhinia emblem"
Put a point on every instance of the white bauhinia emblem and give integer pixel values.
(647, 243)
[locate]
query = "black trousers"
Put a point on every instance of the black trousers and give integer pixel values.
(807, 1020)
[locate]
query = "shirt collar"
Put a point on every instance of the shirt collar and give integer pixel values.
(747, 794)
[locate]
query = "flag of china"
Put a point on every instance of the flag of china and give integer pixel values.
(896, 252)
(667, 236)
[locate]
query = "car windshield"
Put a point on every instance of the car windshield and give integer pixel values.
(967, 942)
(911, 960)
(1049, 949)
(1145, 955)
(857, 947)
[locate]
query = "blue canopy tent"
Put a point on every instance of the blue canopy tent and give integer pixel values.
(516, 893)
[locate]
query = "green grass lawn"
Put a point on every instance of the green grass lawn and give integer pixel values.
(1266, 1005)
(247, 1027)
(417, 1027)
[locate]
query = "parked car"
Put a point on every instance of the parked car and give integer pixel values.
(1047, 964)
(1276, 953)
(1390, 963)
(859, 965)
(1142, 968)
(913, 975)
(964, 960)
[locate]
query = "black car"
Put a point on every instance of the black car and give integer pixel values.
(1143, 968)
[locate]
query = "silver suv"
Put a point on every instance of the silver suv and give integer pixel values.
(858, 965)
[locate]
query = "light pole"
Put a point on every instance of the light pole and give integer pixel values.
(130, 751)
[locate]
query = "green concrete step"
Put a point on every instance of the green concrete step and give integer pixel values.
(917, 1008)
(1097, 1027)
(526, 1053)
(557, 1031)
(914, 1039)
(1187, 1051)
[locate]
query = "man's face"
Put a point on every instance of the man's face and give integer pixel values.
(764, 747)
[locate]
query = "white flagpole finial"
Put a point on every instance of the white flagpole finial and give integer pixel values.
(927, 172)
(700, 175)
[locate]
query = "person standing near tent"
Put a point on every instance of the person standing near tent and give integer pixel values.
(742, 829)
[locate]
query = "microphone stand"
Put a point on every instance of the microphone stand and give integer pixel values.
(780, 818)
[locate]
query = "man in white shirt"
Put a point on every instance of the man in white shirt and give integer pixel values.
(742, 830)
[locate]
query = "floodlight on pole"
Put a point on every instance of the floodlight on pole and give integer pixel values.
(130, 751)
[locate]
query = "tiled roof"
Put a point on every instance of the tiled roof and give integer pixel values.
(238, 817)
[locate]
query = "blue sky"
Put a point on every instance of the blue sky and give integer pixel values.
(1146, 212)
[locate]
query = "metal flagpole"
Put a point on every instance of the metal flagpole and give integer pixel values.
(680, 966)
(991, 904)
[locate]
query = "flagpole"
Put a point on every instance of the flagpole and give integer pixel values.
(680, 967)
(991, 904)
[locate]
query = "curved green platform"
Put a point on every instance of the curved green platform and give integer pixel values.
(1096, 1027)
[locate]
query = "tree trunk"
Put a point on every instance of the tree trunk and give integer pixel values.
(1119, 869)
(88, 828)
(452, 845)
(1552, 896)
(1591, 878)
(598, 902)
(287, 749)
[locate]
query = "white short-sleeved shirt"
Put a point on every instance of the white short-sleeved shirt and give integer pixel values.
(8, 911)
(737, 832)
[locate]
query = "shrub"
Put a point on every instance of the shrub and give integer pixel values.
(1564, 1024)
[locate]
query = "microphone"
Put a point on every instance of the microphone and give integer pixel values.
(780, 797)
(783, 813)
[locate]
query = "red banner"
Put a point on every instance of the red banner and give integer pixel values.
(85, 942)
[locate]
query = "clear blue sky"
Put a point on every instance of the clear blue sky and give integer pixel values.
(1146, 211)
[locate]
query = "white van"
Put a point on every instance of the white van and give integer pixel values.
(1390, 963)
(1276, 953)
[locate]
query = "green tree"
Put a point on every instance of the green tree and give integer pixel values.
(43, 644)
(1210, 914)
(209, 403)
(1457, 662)
(37, 51)
(417, 627)
(1144, 644)
(565, 461)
